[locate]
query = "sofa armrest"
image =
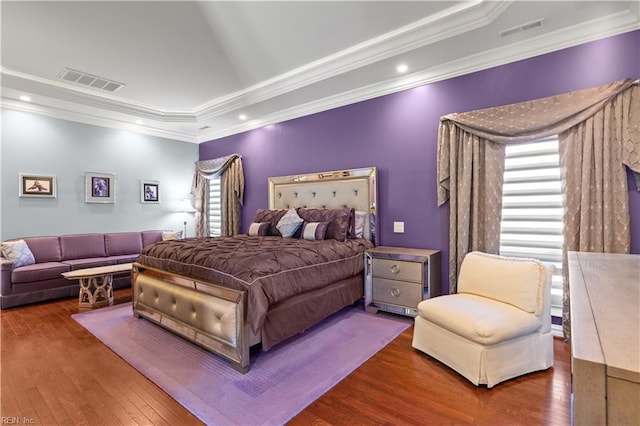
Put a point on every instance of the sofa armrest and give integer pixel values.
(5, 276)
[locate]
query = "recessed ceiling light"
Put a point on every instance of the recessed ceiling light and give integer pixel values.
(242, 117)
(25, 98)
(402, 68)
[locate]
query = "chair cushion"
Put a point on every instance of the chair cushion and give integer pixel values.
(517, 281)
(479, 319)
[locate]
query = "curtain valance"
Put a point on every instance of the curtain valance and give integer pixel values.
(209, 169)
(229, 168)
(536, 119)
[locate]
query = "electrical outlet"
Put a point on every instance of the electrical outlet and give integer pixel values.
(398, 227)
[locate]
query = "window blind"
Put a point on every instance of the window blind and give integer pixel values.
(215, 207)
(533, 207)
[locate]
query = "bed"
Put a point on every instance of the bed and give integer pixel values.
(229, 294)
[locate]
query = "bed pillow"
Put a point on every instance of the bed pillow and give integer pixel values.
(314, 231)
(339, 220)
(289, 223)
(357, 224)
(259, 229)
(18, 251)
(272, 217)
(171, 235)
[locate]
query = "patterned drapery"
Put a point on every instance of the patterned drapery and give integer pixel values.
(593, 155)
(470, 170)
(229, 168)
(232, 197)
(472, 141)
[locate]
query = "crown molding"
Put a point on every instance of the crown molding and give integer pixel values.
(79, 95)
(448, 23)
(606, 26)
(100, 120)
(68, 102)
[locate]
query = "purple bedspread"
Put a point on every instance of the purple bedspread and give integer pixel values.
(270, 269)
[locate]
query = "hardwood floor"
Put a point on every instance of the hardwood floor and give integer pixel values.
(53, 371)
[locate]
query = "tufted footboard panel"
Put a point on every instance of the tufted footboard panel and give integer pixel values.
(208, 315)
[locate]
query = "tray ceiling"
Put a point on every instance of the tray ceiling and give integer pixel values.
(188, 70)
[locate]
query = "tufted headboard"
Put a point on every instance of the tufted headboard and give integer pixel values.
(355, 188)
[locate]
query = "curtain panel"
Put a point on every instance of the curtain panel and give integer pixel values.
(229, 169)
(593, 155)
(471, 163)
(232, 197)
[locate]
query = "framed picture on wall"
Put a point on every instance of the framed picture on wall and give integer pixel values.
(100, 187)
(149, 192)
(37, 186)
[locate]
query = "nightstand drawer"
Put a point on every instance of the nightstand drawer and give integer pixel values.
(397, 292)
(397, 270)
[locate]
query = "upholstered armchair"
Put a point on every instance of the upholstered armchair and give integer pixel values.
(498, 325)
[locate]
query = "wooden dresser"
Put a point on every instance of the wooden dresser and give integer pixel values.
(605, 338)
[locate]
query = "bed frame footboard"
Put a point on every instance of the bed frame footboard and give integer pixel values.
(211, 316)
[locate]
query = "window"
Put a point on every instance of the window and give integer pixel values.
(533, 207)
(215, 207)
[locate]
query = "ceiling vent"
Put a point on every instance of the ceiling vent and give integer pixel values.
(90, 80)
(538, 23)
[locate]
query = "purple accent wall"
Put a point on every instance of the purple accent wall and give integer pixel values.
(397, 133)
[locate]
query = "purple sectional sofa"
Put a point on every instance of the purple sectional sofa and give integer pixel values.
(57, 254)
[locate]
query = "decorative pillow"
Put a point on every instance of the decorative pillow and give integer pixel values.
(339, 220)
(258, 229)
(289, 223)
(357, 224)
(314, 230)
(171, 235)
(272, 217)
(18, 251)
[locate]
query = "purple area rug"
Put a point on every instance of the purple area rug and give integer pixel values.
(280, 383)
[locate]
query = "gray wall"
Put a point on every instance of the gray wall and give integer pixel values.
(32, 143)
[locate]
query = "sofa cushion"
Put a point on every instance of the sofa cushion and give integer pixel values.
(151, 237)
(120, 243)
(125, 258)
(82, 246)
(38, 272)
(91, 262)
(517, 281)
(45, 249)
(479, 319)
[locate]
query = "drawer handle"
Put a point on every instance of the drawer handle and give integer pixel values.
(395, 269)
(395, 292)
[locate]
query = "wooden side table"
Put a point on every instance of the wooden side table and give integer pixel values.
(397, 278)
(96, 288)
